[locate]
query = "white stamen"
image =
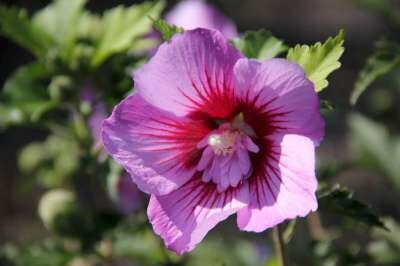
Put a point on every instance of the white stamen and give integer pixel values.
(223, 144)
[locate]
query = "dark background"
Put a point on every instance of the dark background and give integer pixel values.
(302, 21)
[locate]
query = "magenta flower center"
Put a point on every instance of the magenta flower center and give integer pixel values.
(224, 143)
(225, 159)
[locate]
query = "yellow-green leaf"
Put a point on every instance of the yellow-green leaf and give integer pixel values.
(319, 60)
(121, 26)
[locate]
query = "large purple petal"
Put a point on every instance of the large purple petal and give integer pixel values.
(183, 217)
(157, 148)
(193, 14)
(280, 89)
(129, 197)
(285, 188)
(188, 72)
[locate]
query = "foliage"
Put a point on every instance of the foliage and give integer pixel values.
(260, 44)
(166, 30)
(339, 200)
(60, 20)
(319, 60)
(385, 58)
(386, 248)
(47, 253)
(83, 62)
(374, 147)
(16, 25)
(121, 26)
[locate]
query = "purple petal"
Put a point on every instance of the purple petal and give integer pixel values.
(287, 188)
(188, 71)
(95, 120)
(281, 89)
(157, 148)
(183, 217)
(130, 198)
(88, 94)
(193, 14)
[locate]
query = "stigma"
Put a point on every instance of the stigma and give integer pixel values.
(224, 143)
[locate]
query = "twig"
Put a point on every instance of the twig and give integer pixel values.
(279, 246)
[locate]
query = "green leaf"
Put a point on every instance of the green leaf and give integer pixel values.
(25, 84)
(319, 60)
(373, 146)
(32, 156)
(113, 176)
(260, 45)
(385, 59)
(273, 261)
(10, 115)
(223, 250)
(339, 200)
(381, 6)
(16, 25)
(387, 249)
(167, 30)
(387, 8)
(53, 161)
(120, 27)
(25, 95)
(60, 19)
(130, 241)
(89, 25)
(38, 253)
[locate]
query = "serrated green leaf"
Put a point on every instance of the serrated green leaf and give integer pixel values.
(121, 26)
(165, 29)
(60, 19)
(339, 200)
(16, 25)
(319, 60)
(385, 59)
(260, 45)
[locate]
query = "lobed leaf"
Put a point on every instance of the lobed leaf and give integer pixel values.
(89, 25)
(60, 20)
(340, 200)
(16, 25)
(25, 95)
(165, 29)
(319, 60)
(121, 26)
(260, 44)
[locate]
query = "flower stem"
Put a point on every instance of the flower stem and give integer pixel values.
(279, 246)
(317, 231)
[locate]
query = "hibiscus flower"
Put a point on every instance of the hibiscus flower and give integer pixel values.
(210, 133)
